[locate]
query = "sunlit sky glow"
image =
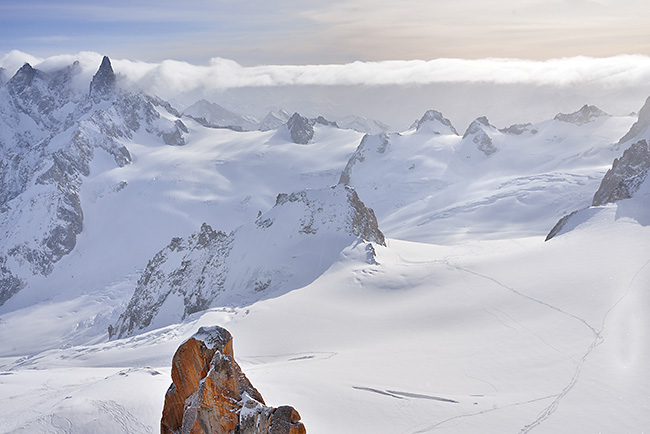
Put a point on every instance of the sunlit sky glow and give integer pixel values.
(255, 32)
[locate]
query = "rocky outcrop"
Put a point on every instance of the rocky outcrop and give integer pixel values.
(433, 122)
(477, 134)
(211, 395)
(626, 175)
(301, 129)
(588, 113)
(286, 248)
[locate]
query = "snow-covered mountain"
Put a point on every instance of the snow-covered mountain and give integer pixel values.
(50, 136)
(456, 317)
(274, 119)
(286, 248)
(625, 187)
(524, 177)
(213, 115)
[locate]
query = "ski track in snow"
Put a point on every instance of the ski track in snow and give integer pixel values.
(598, 339)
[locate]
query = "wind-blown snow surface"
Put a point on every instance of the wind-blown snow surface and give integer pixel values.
(467, 322)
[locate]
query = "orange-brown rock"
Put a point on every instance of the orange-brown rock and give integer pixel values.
(211, 395)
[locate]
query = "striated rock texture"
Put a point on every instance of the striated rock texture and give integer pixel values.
(286, 248)
(211, 395)
(588, 113)
(626, 175)
(49, 135)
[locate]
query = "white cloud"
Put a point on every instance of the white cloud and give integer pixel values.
(623, 70)
(175, 76)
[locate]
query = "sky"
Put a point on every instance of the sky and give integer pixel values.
(515, 61)
(298, 32)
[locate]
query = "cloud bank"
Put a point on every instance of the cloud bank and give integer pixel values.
(171, 75)
(395, 92)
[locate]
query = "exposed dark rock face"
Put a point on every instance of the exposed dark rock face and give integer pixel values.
(434, 122)
(560, 225)
(102, 85)
(588, 113)
(626, 175)
(301, 129)
(211, 395)
(477, 134)
(322, 121)
(192, 274)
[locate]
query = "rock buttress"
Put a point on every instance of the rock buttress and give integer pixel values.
(211, 395)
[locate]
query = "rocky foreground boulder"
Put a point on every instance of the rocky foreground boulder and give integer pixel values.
(211, 395)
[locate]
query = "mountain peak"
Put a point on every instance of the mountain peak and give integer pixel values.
(477, 135)
(22, 78)
(301, 129)
(586, 114)
(273, 120)
(434, 122)
(103, 82)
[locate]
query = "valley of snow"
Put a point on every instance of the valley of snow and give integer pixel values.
(466, 321)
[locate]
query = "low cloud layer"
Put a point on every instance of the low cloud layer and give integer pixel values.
(395, 92)
(617, 71)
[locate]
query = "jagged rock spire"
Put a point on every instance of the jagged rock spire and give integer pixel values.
(103, 82)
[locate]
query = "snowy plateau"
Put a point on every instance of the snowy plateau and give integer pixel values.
(430, 280)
